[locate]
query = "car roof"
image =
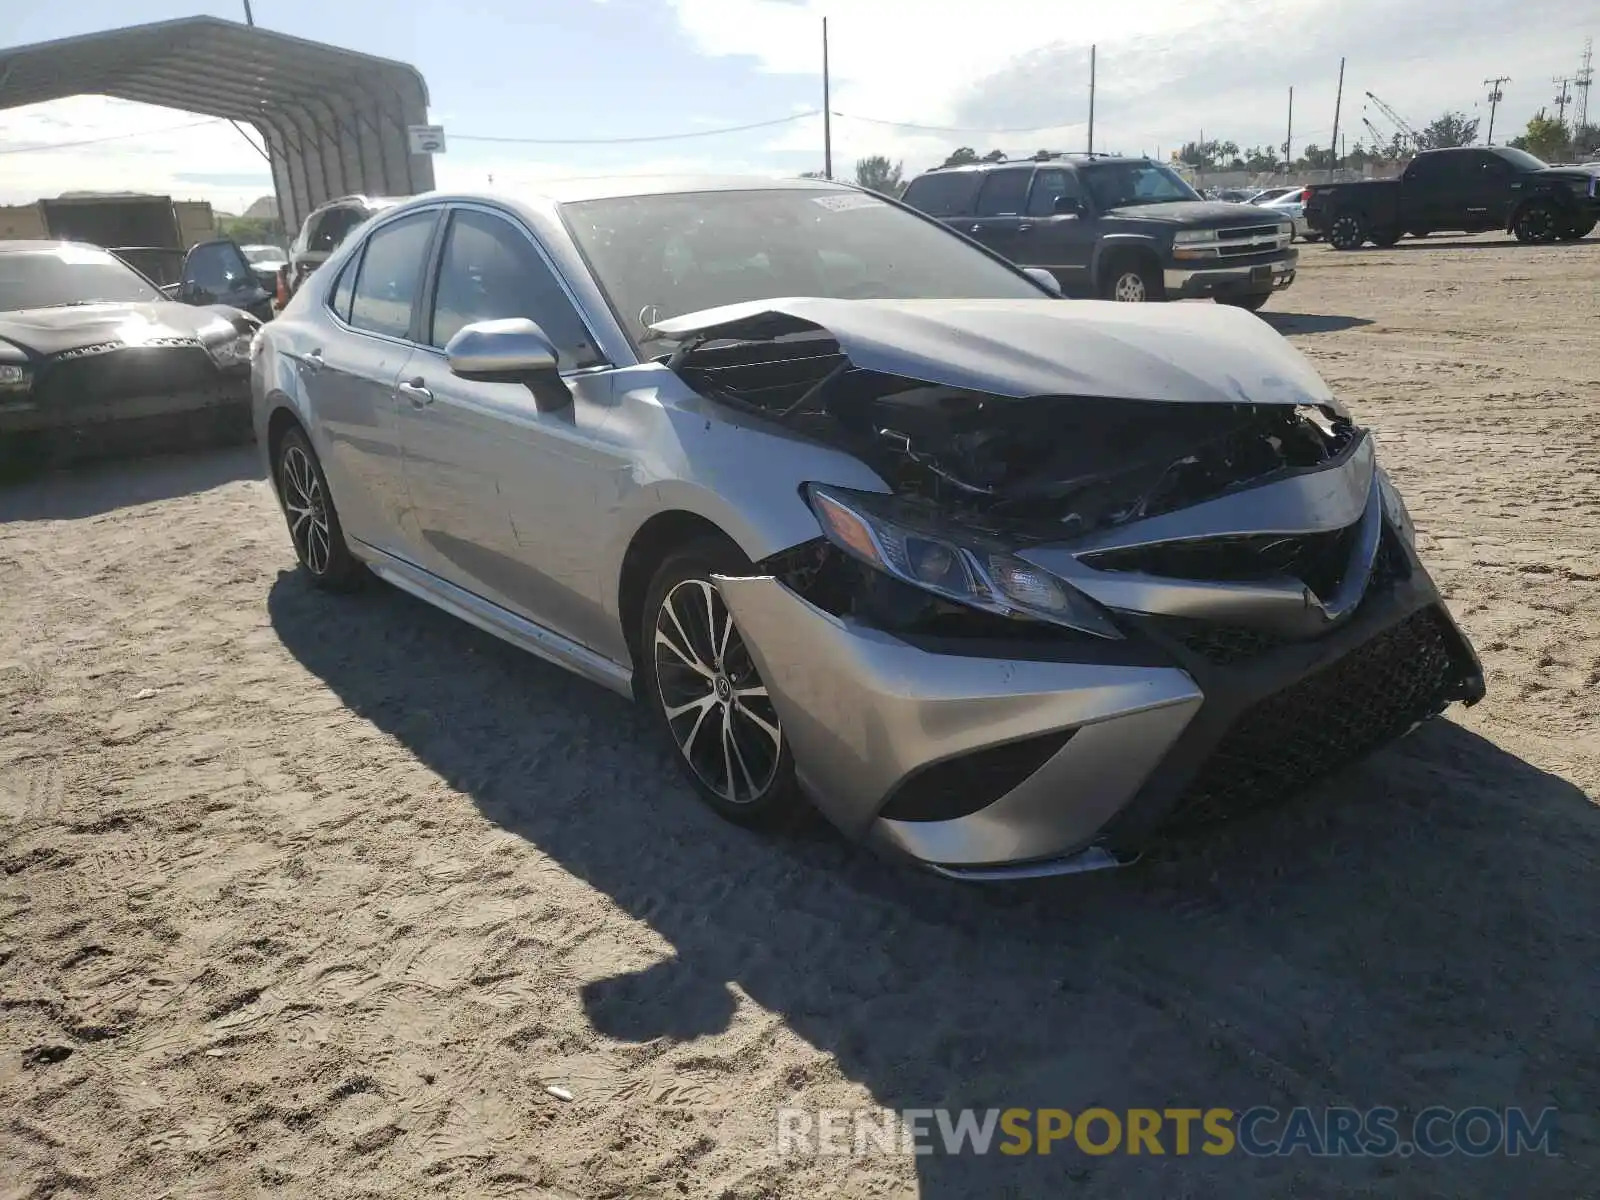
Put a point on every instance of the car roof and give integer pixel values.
(1055, 160)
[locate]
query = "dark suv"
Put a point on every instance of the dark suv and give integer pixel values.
(1116, 227)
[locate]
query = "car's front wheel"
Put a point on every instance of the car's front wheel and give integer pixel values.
(1133, 281)
(1577, 229)
(313, 521)
(703, 684)
(1536, 225)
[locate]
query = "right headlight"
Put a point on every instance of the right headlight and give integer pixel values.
(964, 567)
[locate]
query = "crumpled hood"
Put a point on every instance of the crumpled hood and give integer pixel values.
(1198, 353)
(41, 332)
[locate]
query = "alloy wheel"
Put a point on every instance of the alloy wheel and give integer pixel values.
(307, 508)
(1129, 288)
(1346, 233)
(715, 701)
(1537, 224)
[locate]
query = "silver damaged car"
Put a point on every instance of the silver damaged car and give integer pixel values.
(870, 519)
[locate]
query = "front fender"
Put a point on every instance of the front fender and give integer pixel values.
(1113, 243)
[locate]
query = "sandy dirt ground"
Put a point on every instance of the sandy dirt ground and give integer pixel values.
(308, 896)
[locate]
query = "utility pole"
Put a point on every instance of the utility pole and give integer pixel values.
(249, 17)
(1091, 98)
(1338, 101)
(1495, 96)
(1288, 140)
(1584, 79)
(1563, 97)
(827, 109)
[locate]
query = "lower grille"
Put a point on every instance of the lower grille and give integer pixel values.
(1317, 560)
(1326, 721)
(1227, 644)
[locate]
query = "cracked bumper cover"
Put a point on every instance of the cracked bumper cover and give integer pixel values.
(865, 711)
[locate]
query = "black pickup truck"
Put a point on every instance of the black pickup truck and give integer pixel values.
(1470, 189)
(1115, 227)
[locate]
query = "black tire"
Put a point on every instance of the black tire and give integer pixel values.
(1578, 229)
(746, 779)
(1384, 238)
(1348, 231)
(308, 510)
(1249, 303)
(1132, 279)
(1536, 225)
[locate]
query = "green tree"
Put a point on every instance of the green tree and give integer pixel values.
(1260, 158)
(994, 156)
(1546, 137)
(1317, 159)
(1208, 155)
(1449, 129)
(879, 174)
(961, 156)
(1586, 141)
(813, 175)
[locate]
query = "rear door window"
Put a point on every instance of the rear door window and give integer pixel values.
(1004, 193)
(944, 194)
(390, 278)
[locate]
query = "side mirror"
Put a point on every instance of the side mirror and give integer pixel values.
(1044, 279)
(1066, 206)
(512, 350)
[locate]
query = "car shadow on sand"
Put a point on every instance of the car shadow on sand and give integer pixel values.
(1293, 322)
(1416, 932)
(103, 487)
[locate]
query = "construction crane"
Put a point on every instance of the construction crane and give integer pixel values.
(1409, 136)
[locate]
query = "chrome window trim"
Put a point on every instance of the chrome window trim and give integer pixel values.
(324, 298)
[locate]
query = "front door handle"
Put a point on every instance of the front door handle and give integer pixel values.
(313, 359)
(413, 391)
(1024, 227)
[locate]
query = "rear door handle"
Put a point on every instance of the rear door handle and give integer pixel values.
(976, 229)
(413, 391)
(1024, 227)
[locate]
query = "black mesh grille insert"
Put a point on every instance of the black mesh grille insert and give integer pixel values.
(1226, 644)
(125, 373)
(1327, 720)
(959, 787)
(1317, 560)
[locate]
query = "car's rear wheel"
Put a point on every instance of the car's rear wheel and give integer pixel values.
(1133, 280)
(703, 684)
(313, 521)
(1348, 231)
(1536, 225)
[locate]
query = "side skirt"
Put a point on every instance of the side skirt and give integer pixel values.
(491, 618)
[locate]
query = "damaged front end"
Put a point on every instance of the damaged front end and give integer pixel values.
(1077, 614)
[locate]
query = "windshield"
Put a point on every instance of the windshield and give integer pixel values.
(1521, 158)
(1115, 184)
(661, 256)
(67, 275)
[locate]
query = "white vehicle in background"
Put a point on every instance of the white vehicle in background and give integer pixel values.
(1292, 204)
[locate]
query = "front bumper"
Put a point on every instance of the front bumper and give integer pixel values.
(1244, 279)
(1118, 750)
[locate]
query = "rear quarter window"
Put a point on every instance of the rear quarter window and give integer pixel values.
(948, 194)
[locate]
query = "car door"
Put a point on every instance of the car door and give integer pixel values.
(351, 376)
(1432, 194)
(1057, 233)
(1487, 190)
(217, 272)
(504, 495)
(998, 221)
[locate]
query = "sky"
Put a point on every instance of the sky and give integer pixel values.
(1007, 74)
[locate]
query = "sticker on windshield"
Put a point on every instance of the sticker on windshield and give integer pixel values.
(840, 201)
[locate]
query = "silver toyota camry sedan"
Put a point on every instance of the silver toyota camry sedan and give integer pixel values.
(870, 519)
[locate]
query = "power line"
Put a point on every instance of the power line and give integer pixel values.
(624, 141)
(110, 137)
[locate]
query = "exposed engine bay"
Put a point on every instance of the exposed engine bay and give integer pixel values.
(1037, 469)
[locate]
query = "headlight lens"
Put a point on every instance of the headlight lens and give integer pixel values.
(965, 568)
(15, 378)
(1394, 509)
(1192, 237)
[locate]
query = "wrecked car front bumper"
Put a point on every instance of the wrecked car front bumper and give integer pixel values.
(1012, 767)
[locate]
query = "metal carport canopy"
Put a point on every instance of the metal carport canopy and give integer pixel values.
(334, 121)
